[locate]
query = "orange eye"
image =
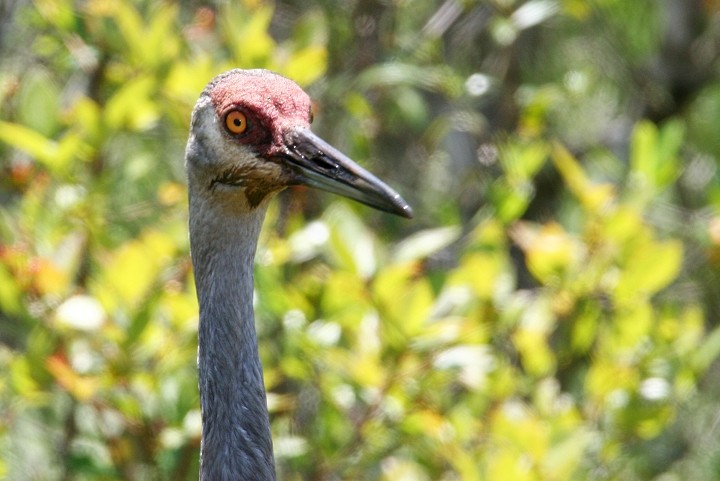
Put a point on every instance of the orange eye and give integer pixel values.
(236, 122)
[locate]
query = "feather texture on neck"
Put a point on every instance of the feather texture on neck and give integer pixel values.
(236, 441)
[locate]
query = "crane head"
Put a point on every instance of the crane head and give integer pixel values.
(251, 136)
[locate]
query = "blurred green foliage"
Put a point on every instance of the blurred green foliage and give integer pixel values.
(551, 314)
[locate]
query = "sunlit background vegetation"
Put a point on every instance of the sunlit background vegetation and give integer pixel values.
(550, 314)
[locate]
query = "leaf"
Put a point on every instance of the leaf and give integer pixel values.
(128, 275)
(521, 161)
(474, 361)
(345, 297)
(480, 271)
(566, 455)
(584, 328)
(521, 425)
(654, 154)
(406, 302)
(416, 303)
(162, 42)
(58, 13)
(607, 376)
(187, 79)
(21, 379)
(593, 196)
(86, 118)
(510, 199)
(130, 24)
(10, 293)
(551, 253)
(307, 65)
(397, 468)
(132, 106)
(531, 339)
(425, 243)
(652, 266)
(392, 280)
(351, 242)
(32, 142)
(247, 34)
(308, 242)
(632, 326)
(38, 103)
(708, 351)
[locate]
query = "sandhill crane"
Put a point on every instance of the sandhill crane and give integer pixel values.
(250, 137)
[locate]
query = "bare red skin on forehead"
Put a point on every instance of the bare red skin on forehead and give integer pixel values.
(276, 102)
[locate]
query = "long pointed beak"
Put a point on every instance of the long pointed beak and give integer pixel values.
(319, 164)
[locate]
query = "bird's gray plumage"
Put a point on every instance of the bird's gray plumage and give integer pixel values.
(236, 441)
(231, 176)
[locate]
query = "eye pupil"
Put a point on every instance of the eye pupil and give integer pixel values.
(235, 122)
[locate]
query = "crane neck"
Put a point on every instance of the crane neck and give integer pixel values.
(236, 441)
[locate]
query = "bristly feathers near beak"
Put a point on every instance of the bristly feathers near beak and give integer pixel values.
(319, 164)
